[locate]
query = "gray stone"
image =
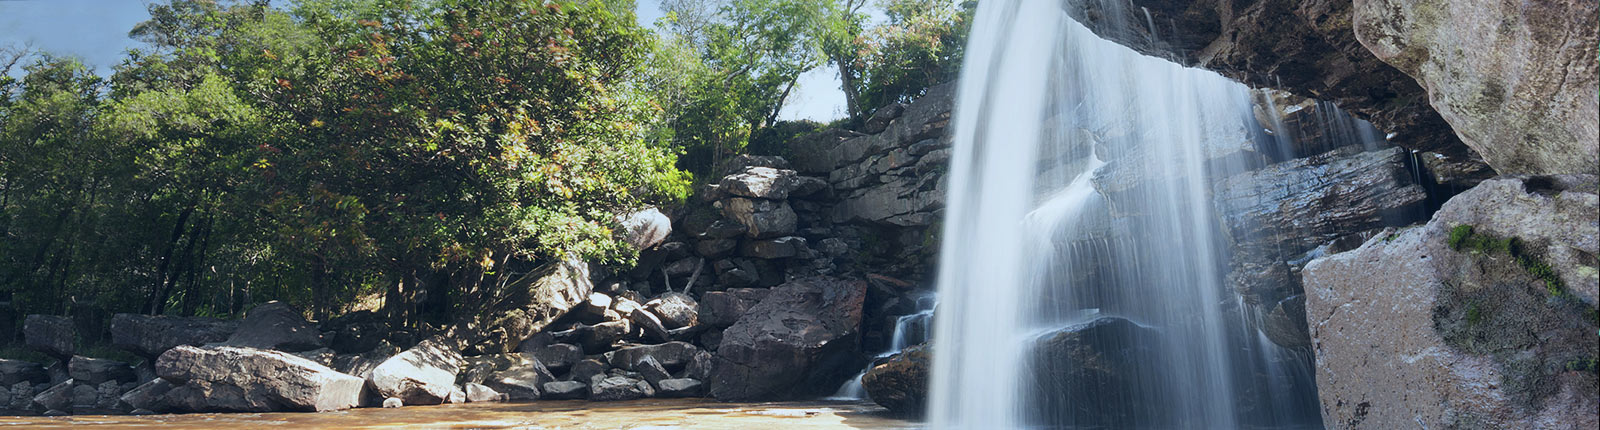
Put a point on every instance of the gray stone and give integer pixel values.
(94, 371)
(649, 323)
(645, 228)
(594, 309)
(742, 162)
(565, 390)
(276, 325)
(521, 382)
(56, 398)
(738, 272)
(672, 355)
(148, 395)
(482, 393)
(15, 371)
(761, 182)
(227, 378)
(675, 310)
(149, 336)
(617, 388)
(723, 308)
(558, 357)
(783, 247)
(598, 338)
(22, 394)
(790, 344)
(651, 370)
(716, 248)
(880, 119)
(1286, 323)
(1085, 370)
(551, 291)
(723, 229)
(422, 375)
(587, 369)
(761, 218)
(49, 334)
(900, 383)
(393, 402)
(672, 388)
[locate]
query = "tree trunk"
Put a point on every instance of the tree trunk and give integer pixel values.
(158, 295)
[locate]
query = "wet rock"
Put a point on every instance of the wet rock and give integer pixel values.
(521, 381)
(672, 388)
(1455, 322)
(276, 325)
(94, 371)
(227, 378)
(645, 228)
(723, 308)
(147, 396)
(1087, 373)
(672, 355)
(794, 343)
(618, 388)
(49, 334)
(900, 383)
(422, 375)
(675, 310)
(565, 390)
(15, 371)
(1286, 323)
(149, 336)
(761, 218)
(482, 393)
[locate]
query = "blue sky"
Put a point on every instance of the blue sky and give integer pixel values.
(96, 32)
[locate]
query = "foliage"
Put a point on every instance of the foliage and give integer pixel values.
(920, 46)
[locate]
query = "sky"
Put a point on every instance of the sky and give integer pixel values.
(96, 32)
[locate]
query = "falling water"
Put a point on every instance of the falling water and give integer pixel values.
(1079, 214)
(912, 329)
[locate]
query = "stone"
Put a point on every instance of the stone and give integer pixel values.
(598, 338)
(565, 390)
(149, 336)
(699, 367)
(738, 272)
(56, 398)
(645, 228)
(651, 370)
(723, 229)
(723, 308)
(1085, 370)
(586, 370)
(558, 357)
(1515, 80)
(106, 398)
(649, 323)
(22, 394)
(675, 310)
(521, 381)
(356, 332)
(716, 248)
(482, 393)
(618, 388)
(323, 356)
(793, 343)
(742, 162)
(594, 309)
(684, 267)
(15, 371)
(760, 182)
(276, 325)
(84, 396)
(237, 379)
(673, 388)
(672, 355)
(900, 383)
(761, 218)
(49, 334)
(1286, 323)
(94, 371)
(783, 247)
(810, 187)
(1445, 325)
(422, 375)
(880, 119)
(393, 402)
(548, 293)
(361, 365)
(147, 396)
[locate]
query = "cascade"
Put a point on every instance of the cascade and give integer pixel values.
(912, 329)
(1081, 274)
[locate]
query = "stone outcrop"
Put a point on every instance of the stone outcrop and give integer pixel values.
(1482, 318)
(900, 382)
(802, 338)
(238, 379)
(1515, 80)
(149, 336)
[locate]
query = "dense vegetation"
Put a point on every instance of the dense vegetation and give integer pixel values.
(416, 154)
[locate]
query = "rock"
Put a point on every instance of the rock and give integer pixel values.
(651, 370)
(1515, 80)
(549, 292)
(106, 399)
(684, 267)
(393, 402)
(56, 398)
(521, 383)
(672, 388)
(586, 370)
(675, 310)
(737, 272)
(94, 371)
(1456, 174)
(49, 334)
(149, 336)
(22, 394)
(783, 247)
(760, 218)
(900, 383)
(760, 182)
(147, 396)
(594, 309)
(228, 378)
(1286, 323)
(565, 390)
(361, 365)
(617, 388)
(793, 343)
(422, 375)
(141, 412)
(558, 357)
(645, 228)
(699, 367)
(355, 332)
(323, 356)
(723, 308)
(879, 121)
(599, 337)
(16, 371)
(716, 248)
(1452, 324)
(742, 162)
(650, 324)
(481, 393)
(723, 229)
(84, 396)
(671, 355)
(276, 325)
(1086, 371)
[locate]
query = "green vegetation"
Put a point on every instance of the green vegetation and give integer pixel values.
(414, 153)
(1463, 237)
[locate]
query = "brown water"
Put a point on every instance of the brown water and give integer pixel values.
(639, 414)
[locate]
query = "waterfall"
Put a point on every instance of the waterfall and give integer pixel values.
(1081, 274)
(912, 329)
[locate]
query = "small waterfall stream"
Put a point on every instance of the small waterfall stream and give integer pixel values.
(912, 329)
(1081, 277)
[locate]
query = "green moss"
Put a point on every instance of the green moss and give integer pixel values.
(1465, 238)
(1474, 314)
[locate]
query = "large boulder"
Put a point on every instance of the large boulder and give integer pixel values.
(547, 293)
(1515, 79)
(558, 357)
(1482, 318)
(761, 182)
(15, 371)
(149, 336)
(94, 371)
(900, 383)
(761, 218)
(147, 396)
(801, 340)
(1088, 375)
(235, 379)
(617, 388)
(645, 228)
(675, 310)
(422, 375)
(522, 380)
(672, 355)
(49, 334)
(723, 308)
(276, 325)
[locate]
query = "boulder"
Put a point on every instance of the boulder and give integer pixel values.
(735, 273)
(236, 379)
(1285, 324)
(699, 367)
(723, 229)
(1086, 373)
(481, 393)
(586, 370)
(361, 365)
(56, 398)
(723, 308)
(422, 375)
(671, 355)
(565, 390)
(797, 342)
(651, 370)
(15, 371)
(547, 293)
(672, 388)
(900, 383)
(760, 182)
(1483, 318)
(521, 381)
(598, 338)
(716, 248)
(761, 218)
(675, 310)
(276, 325)
(880, 119)
(558, 357)
(594, 309)
(49, 334)
(94, 371)
(147, 396)
(645, 228)
(617, 388)
(355, 332)
(743, 162)
(770, 249)
(1515, 80)
(393, 402)
(148, 336)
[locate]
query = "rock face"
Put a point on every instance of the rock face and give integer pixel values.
(422, 375)
(49, 334)
(276, 325)
(804, 336)
(1482, 318)
(1085, 374)
(149, 336)
(234, 379)
(901, 382)
(1516, 80)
